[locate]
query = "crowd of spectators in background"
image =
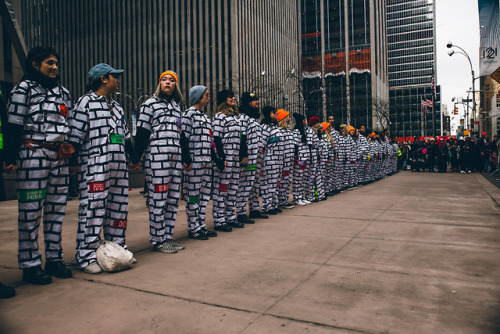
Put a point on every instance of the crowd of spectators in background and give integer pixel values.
(439, 154)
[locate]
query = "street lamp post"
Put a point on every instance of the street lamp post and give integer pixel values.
(451, 53)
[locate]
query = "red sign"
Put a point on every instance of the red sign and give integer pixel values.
(161, 188)
(63, 110)
(120, 223)
(97, 187)
(223, 187)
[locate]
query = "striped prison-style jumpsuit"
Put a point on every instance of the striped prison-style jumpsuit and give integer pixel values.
(253, 201)
(315, 174)
(288, 162)
(329, 164)
(339, 160)
(395, 149)
(198, 181)
(253, 132)
(351, 161)
(324, 157)
(227, 128)
(363, 167)
(42, 179)
(98, 125)
(272, 167)
(371, 164)
(378, 166)
(300, 175)
(162, 165)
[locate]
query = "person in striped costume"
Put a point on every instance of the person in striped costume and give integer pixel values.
(102, 141)
(273, 161)
(251, 133)
(197, 129)
(302, 158)
(159, 134)
(227, 139)
(288, 159)
(315, 175)
(38, 113)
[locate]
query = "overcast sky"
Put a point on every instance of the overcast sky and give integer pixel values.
(458, 22)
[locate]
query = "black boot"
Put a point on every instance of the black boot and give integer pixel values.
(36, 275)
(6, 291)
(223, 228)
(256, 214)
(236, 225)
(245, 220)
(57, 269)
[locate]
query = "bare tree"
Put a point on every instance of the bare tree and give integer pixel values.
(381, 111)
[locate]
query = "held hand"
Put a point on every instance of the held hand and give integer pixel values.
(244, 162)
(10, 169)
(186, 167)
(73, 170)
(225, 164)
(134, 167)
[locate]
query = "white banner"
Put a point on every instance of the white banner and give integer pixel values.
(489, 21)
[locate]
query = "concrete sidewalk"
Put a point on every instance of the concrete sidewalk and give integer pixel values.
(413, 253)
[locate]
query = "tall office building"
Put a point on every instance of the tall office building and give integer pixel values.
(218, 43)
(411, 33)
(342, 37)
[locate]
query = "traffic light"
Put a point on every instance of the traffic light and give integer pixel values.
(455, 110)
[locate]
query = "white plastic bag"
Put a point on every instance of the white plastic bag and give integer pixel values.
(112, 257)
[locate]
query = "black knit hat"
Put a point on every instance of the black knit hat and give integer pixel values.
(223, 95)
(299, 118)
(267, 110)
(247, 97)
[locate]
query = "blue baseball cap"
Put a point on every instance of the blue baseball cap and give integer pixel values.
(101, 70)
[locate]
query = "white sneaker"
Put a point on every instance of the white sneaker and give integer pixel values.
(134, 260)
(92, 268)
(164, 248)
(299, 203)
(176, 246)
(306, 201)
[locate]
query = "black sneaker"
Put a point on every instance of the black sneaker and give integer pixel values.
(6, 291)
(277, 210)
(256, 214)
(198, 235)
(223, 228)
(208, 233)
(270, 212)
(57, 269)
(236, 225)
(287, 206)
(36, 275)
(245, 220)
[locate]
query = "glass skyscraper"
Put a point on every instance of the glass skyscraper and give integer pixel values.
(412, 63)
(342, 37)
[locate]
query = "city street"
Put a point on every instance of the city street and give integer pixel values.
(412, 253)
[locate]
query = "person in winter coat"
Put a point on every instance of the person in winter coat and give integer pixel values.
(102, 142)
(288, 159)
(227, 140)
(252, 132)
(302, 159)
(197, 182)
(38, 112)
(273, 161)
